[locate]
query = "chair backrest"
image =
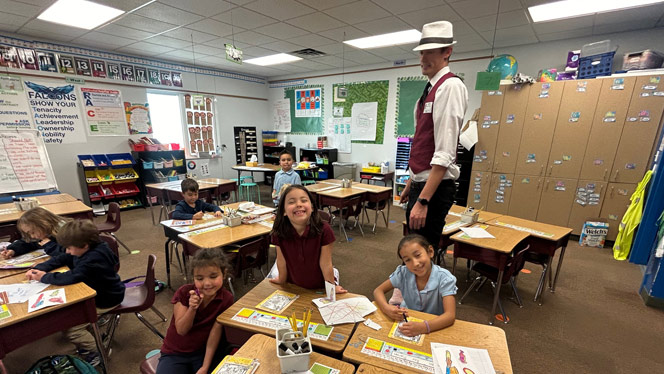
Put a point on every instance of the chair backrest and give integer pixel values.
(113, 245)
(149, 282)
(113, 216)
(251, 255)
(515, 264)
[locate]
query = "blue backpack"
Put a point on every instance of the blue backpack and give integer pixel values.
(61, 364)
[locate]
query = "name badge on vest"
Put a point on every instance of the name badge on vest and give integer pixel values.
(428, 107)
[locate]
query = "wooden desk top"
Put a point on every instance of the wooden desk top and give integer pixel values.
(370, 369)
(217, 181)
(341, 192)
(62, 209)
(260, 167)
(55, 198)
(463, 333)
(537, 229)
(335, 343)
(505, 239)
(456, 210)
(74, 292)
(216, 236)
(263, 348)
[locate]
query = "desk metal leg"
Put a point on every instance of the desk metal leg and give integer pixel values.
(454, 262)
(560, 264)
(100, 347)
(168, 261)
(496, 297)
(149, 198)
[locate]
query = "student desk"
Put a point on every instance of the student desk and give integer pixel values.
(370, 369)
(491, 251)
(239, 332)
(380, 177)
(263, 348)
(55, 198)
(463, 333)
(223, 186)
(171, 190)
(544, 239)
(74, 209)
(23, 328)
(261, 168)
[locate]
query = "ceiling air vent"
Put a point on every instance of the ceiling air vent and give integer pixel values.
(308, 52)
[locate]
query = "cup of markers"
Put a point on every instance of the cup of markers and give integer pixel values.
(294, 346)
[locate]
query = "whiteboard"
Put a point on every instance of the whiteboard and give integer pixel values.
(24, 163)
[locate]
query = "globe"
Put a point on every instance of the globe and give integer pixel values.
(506, 65)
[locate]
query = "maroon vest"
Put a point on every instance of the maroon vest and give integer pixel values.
(423, 147)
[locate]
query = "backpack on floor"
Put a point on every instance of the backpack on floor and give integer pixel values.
(61, 364)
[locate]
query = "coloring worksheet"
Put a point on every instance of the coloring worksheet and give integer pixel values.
(396, 333)
(46, 299)
(278, 301)
(456, 359)
(24, 261)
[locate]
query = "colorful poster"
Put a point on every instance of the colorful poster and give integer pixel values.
(165, 78)
(153, 76)
(113, 70)
(127, 72)
(8, 57)
(307, 102)
(47, 61)
(104, 112)
(56, 112)
(177, 79)
(66, 64)
(14, 110)
(98, 68)
(28, 58)
(83, 66)
(138, 118)
(141, 74)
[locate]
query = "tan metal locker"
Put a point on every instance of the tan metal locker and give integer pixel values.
(640, 130)
(556, 201)
(526, 192)
(511, 126)
(608, 122)
(587, 203)
(575, 118)
(540, 121)
(478, 191)
(500, 192)
(487, 129)
(615, 204)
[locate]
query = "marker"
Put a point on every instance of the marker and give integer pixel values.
(304, 348)
(285, 349)
(197, 293)
(404, 317)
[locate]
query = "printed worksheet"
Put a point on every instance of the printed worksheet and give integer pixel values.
(456, 359)
(396, 333)
(278, 301)
(24, 261)
(46, 299)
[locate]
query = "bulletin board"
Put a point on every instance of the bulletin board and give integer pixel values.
(24, 163)
(409, 90)
(305, 125)
(365, 92)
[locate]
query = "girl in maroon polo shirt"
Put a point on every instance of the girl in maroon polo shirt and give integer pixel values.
(193, 336)
(304, 242)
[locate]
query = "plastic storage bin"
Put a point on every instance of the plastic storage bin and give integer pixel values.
(148, 165)
(647, 59)
(172, 178)
(124, 174)
(87, 161)
(120, 159)
(344, 170)
(298, 362)
(138, 147)
(596, 66)
(101, 160)
(596, 48)
(158, 165)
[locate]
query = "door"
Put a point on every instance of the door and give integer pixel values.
(500, 192)
(640, 130)
(479, 189)
(526, 192)
(540, 122)
(587, 203)
(575, 118)
(608, 122)
(615, 204)
(511, 127)
(487, 129)
(556, 202)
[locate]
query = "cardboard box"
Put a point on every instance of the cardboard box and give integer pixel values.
(594, 232)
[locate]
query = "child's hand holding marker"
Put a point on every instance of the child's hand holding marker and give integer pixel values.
(396, 312)
(194, 298)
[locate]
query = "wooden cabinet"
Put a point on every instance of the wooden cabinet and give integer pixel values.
(478, 191)
(615, 204)
(607, 126)
(511, 127)
(575, 118)
(640, 130)
(556, 201)
(587, 203)
(541, 115)
(487, 129)
(500, 192)
(526, 192)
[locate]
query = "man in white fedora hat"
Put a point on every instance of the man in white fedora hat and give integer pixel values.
(439, 115)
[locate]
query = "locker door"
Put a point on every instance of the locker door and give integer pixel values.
(540, 122)
(615, 204)
(526, 192)
(500, 193)
(511, 127)
(479, 189)
(587, 203)
(640, 130)
(487, 129)
(556, 201)
(575, 119)
(608, 123)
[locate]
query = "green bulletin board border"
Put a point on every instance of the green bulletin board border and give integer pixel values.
(403, 117)
(306, 125)
(366, 92)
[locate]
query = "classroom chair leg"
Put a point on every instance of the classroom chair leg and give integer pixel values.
(516, 293)
(476, 281)
(121, 243)
(540, 285)
(149, 325)
(157, 312)
(230, 285)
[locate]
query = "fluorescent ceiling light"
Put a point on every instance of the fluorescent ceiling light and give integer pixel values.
(385, 40)
(79, 13)
(575, 8)
(279, 58)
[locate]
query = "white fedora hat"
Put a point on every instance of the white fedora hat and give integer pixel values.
(436, 35)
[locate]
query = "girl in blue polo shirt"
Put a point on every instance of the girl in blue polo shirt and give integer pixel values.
(426, 287)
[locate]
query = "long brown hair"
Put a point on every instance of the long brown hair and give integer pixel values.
(41, 219)
(283, 227)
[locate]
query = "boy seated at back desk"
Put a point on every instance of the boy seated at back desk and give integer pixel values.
(191, 207)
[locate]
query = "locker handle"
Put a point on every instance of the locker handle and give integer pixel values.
(550, 169)
(546, 186)
(539, 181)
(604, 176)
(495, 166)
(611, 193)
(541, 169)
(616, 176)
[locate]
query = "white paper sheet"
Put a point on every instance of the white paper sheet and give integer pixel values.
(21, 292)
(347, 310)
(477, 233)
(364, 117)
(339, 134)
(464, 359)
(281, 115)
(46, 299)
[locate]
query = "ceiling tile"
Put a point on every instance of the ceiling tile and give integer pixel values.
(485, 23)
(44, 35)
(635, 15)
(402, 56)
(383, 26)
(418, 18)
(505, 20)
(240, 2)
(254, 38)
(125, 5)
(211, 26)
(8, 28)
(282, 46)
(244, 18)
(12, 20)
(21, 9)
(362, 57)
(476, 8)
(567, 34)
(96, 45)
(311, 40)
(205, 8)
(624, 26)
(280, 9)
(281, 30)
(564, 25)
(53, 28)
(361, 11)
(149, 47)
(105, 38)
(125, 32)
(461, 28)
(330, 60)
(257, 52)
(324, 4)
(143, 23)
(344, 33)
(515, 36)
(212, 60)
(333, 49)
(471, 47)
(207, 50)
(473, 38)
(179, 53)
(315, 22)
(168, 42)
(388, 51)
(41, 3)
(184, 33)
(511, 5)
(165, 13)
(313, 65)
(402, 6)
